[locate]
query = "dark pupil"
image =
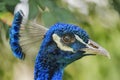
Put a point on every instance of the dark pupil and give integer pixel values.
(68, 38)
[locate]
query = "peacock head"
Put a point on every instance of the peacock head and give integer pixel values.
(65, 43)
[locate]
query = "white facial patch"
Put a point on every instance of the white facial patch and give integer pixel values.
(57, 39)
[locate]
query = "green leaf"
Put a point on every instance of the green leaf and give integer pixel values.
(2, 6)
(33, 9)
(48, 18)
(11, 2)
(58, 15)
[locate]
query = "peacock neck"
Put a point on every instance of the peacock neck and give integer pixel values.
(47, 69)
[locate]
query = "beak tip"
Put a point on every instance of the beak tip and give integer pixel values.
(94, 48)
(105, 53)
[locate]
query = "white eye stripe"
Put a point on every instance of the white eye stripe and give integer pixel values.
(57, 39)
(80, 40)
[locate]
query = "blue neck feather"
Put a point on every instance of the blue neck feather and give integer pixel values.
(46, 72)
(46, 67)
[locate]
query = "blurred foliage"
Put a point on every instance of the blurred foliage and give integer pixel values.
(102, 23)
(51, 10)
(116, 4)
(6, 5)
(6, 17)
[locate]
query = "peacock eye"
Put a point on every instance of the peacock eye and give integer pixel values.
(68, 38)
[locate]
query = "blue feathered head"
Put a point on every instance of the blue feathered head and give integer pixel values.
(65, 43)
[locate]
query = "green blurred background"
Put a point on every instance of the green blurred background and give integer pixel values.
(100, 18)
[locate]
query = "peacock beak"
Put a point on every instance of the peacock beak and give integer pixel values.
(94, 48)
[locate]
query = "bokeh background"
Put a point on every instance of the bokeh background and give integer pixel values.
(100, 18)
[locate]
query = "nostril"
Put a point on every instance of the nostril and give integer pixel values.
(94, 46)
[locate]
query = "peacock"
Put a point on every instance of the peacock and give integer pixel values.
(61, 45)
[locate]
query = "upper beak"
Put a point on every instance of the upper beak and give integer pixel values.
(94, 48)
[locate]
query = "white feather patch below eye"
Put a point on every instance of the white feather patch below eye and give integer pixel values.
(57, 39)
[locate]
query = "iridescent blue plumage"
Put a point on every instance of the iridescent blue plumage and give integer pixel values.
(51, 60)
(62, 44)
(14, 36)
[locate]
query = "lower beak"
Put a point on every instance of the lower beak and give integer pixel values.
(94, 48)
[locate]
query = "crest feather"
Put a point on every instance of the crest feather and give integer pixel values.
(25, 38)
